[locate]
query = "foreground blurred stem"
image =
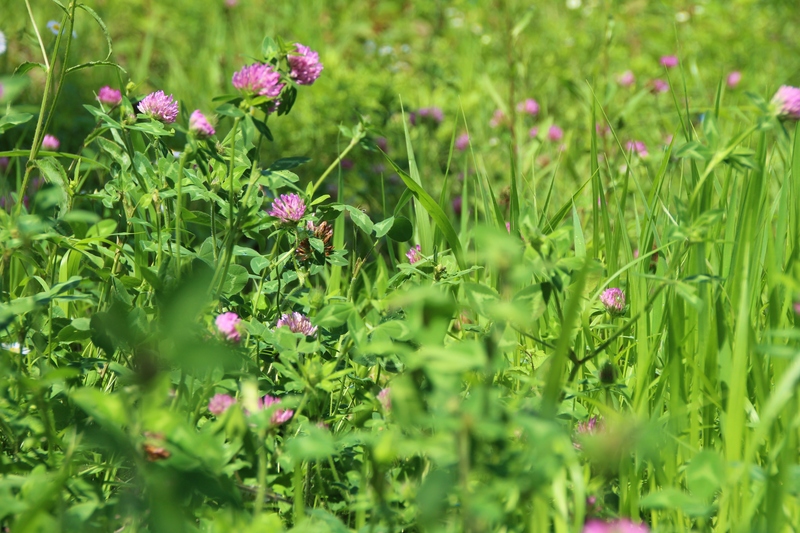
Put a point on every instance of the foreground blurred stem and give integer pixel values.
(178, 207)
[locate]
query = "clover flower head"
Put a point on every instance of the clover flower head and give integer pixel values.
(614, 301)
(669, 61)
(427, 115)
(109, 96)
(199, 125)
(660, 86)
(733, 79)
(306, 67)
(280, 416)
(462, 142)
(297, 323)
(50, 142)
(620, 525)
(219, 403)
(638, 147)
(385, 399)
(288, 208)
(626, 79)
(533, 132)
(414, 254)
(457, 205)
(555, 133)
(159, 106)
(228, 325)
(258, 79)
(498, 117)
(787, 102)
(529, 106)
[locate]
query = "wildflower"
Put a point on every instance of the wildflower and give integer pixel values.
(258, 79)
(219, 403)
(55, 27)
(457, 205)
(498, 117)
(159, 106)
(280, 416)
(555, 133)
(787, 102)
(427, 115)
(660, 86)
(614, 301)
(323, 232)
(15, 347)
(2, 90)
(733, 79)
(533, 132)
(382, 143)
(347, 164)
(529, 106)
(231, 3)
(508, 227)
(589, 427)
(385, 399)
(4, 161)
(637, 146)
(626, 79)
(288, 208)
(199, 125)
(602, 129)
(414, 254)
(306, 67)
(669, 61)
(2, 44)
(109, 96)
(620, 525)
(228, 325)
(462, 142)
(297, 323)
(50, 142)
(797, 308)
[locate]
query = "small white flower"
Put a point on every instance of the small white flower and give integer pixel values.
(385, 50)
(54, 27)
(2, 43)
(681, 16)
(15, 347)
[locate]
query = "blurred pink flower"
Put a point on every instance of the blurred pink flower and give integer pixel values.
(414, 254)
(280, 416)
(50, 142)
(109, 96)
(669, 61)
(787, 102)
(533, 132)
(199, 125)
(228, 325)
(636, 146)
(555, 133)
(733, 79)
(457, 205)
(660, 86)
(614, 301)
(219, 403)
(620, 525)
(462, 142)
(529, 106)
(497, 118)
(626, 79)
(385, 399)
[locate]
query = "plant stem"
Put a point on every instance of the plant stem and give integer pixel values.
(353, 142)
(178, 185)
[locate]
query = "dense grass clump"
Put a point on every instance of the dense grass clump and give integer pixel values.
(551, 286)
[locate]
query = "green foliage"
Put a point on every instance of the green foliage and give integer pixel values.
(178, 352)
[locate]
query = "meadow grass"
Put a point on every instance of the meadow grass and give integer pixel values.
(489, 381)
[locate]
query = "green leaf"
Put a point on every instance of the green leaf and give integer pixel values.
(383, 227)
(334, 315)
(401, 230)
(705, 474)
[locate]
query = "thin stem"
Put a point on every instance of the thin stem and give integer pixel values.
(353, 142)
(226, 260)
(178, 207)
(38, 36)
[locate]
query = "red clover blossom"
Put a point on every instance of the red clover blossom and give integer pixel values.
(614, 301)
(787, 102)
(219, 403)
(297, 323)
(199, 125)
(288, 208)
(159, 106)
(109, 96)
(258, 79)
(306, 67)
(228, 325)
